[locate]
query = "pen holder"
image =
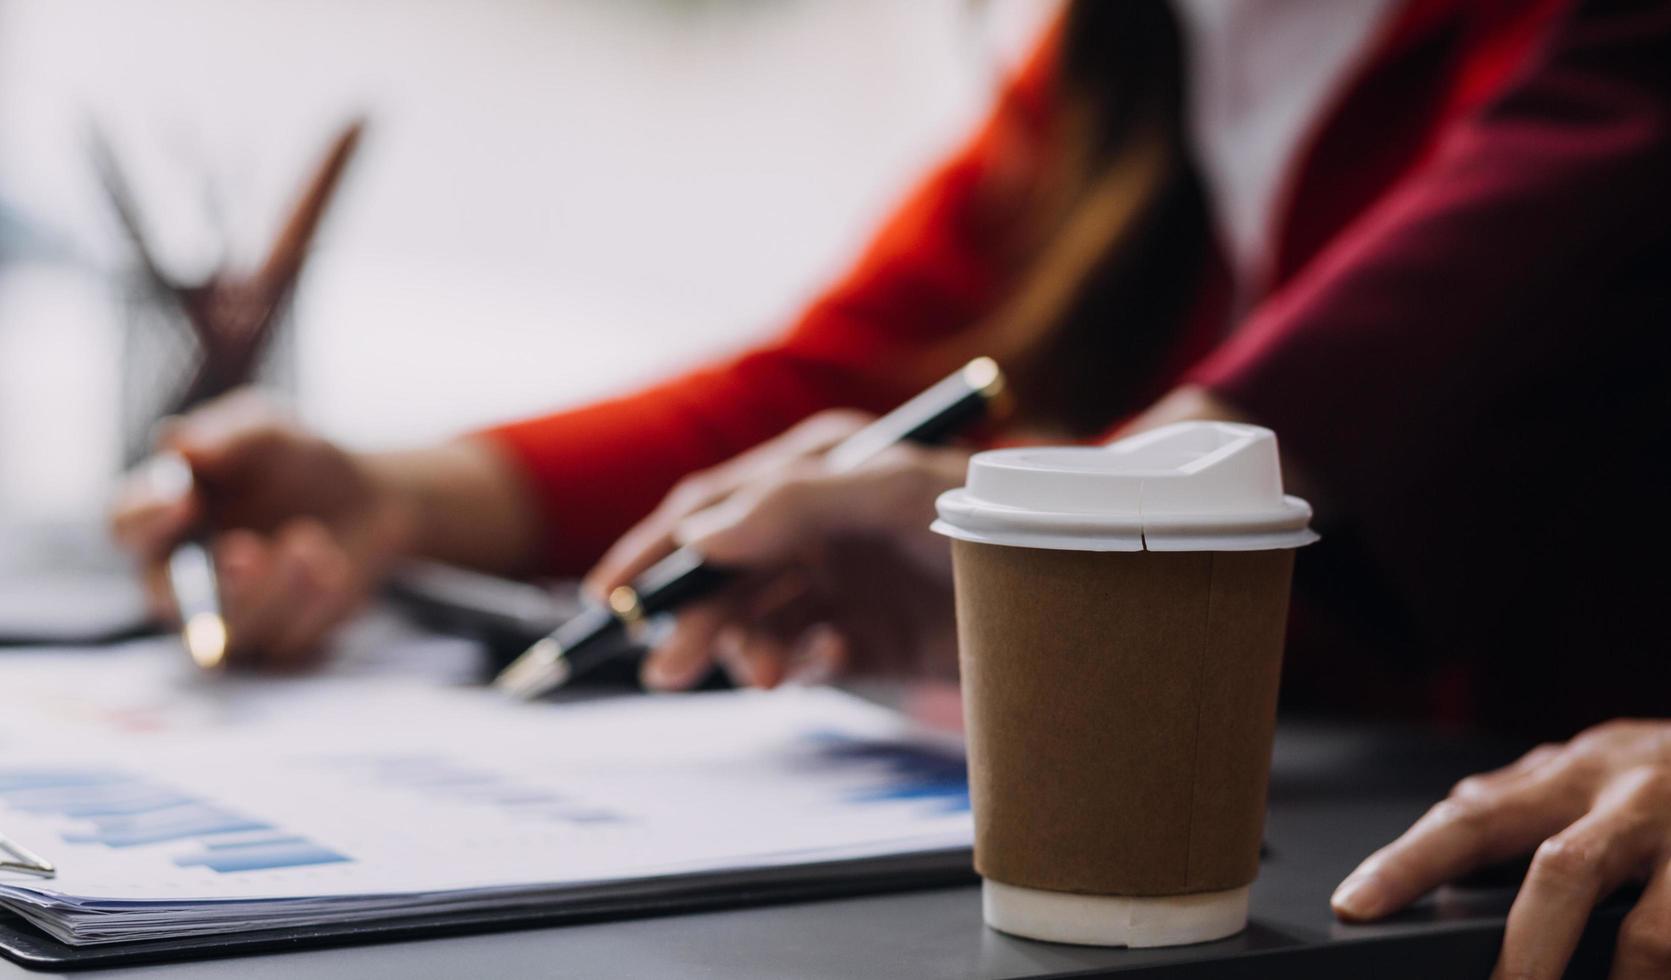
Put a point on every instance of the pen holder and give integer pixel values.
(162, 354)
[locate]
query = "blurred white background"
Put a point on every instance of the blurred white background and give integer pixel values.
(556, 198)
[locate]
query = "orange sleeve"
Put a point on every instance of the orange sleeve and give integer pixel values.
(934, 268)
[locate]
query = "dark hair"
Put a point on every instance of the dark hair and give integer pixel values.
(1109, 252)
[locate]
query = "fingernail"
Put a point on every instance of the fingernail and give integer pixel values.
(701, 525)
(807, 667)
(713, 522)
(743, 671)
(168, 477)
(764, 673)
(1360, 897)
(657, 675)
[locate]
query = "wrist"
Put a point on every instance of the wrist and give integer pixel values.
(458, 502)
(396, 512)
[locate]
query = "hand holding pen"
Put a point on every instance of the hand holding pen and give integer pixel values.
(254, 535)
(791, 560)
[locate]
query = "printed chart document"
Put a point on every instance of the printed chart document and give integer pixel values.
(177, 805)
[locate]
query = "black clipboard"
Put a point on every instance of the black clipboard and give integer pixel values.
(22, 943)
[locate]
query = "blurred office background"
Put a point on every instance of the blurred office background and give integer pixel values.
(555, 198)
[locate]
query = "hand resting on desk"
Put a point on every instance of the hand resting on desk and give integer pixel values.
(1596, 814)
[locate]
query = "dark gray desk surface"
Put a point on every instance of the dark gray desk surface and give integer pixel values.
(1337, 793)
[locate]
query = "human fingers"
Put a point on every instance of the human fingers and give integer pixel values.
(820, 655)
(687, 652)
(1577, 867)
(243, 564)
(1531, 760)
(643, 545)
(223, 433)
(653, 538)
(1476, 825)
(782, 636)
(766, 658)
(737, 649)
(159, 594)
(1644, 944)
(268, 584)
(806, 504)
(815, 436)
(154, 508)
(326, 593)
(755, 647)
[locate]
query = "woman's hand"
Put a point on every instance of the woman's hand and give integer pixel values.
(1594, 812)
(839, 570)
(301, 530)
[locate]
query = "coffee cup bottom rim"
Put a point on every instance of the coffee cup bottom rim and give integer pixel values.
(1113, 920)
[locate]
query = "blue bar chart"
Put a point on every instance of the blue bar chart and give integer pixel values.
(438, 778)
(119, 810)
(901, 770)
(262, 854)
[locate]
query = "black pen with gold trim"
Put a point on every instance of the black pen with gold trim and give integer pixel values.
(581, 644)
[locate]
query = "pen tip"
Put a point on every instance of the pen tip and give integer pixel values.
(205, 638)
(539, 670)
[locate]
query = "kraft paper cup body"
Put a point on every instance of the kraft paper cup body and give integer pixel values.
(1120, 699)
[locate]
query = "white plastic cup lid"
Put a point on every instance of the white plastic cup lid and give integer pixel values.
(1190, 486)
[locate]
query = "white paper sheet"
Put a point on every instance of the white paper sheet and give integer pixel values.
(173, 804)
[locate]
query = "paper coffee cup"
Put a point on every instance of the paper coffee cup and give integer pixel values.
(1120, 623)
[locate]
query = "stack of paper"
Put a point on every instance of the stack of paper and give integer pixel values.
(178, 807)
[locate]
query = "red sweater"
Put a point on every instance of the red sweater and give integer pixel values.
(1463, 342)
